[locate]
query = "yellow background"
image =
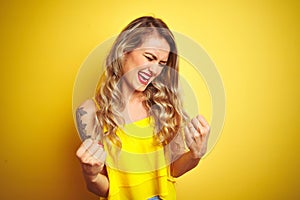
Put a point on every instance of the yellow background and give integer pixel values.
(254, 44)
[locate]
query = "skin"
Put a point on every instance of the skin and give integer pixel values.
(196, 135)
(147, 60)
(91, 154)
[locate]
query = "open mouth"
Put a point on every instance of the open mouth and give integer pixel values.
(144, 77)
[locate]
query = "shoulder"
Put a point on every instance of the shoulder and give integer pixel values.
(86, 111)
(88, 105)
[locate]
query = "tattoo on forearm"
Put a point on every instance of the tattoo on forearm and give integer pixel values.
(80, 125)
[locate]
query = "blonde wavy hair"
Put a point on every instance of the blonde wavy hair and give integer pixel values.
(162, 97)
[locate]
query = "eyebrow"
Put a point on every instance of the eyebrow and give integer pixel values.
(155, 58)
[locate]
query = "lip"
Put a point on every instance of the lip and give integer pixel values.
(144, 77)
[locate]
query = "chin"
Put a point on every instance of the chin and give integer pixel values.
(141, 89)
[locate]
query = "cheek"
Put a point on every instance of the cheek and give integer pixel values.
(160, 71)
(125, 65)
(140, 62)
(135, 63)
(128, 65)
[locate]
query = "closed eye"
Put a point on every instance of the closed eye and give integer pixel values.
(149, 58)
(162, 65)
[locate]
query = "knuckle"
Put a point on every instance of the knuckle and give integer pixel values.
(78, 155)
(84, 161)
(207, 131)
(199, 117)
(194, 120)
(186, 131)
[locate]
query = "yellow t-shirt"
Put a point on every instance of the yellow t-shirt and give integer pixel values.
(139, 170)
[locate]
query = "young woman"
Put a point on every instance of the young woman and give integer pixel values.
(137, 136)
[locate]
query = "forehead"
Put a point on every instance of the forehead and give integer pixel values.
(155, 43)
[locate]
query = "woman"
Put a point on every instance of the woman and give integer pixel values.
(137, 137)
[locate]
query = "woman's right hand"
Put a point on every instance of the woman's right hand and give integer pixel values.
(92, 158)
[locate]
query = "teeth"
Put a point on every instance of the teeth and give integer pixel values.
(144, 76)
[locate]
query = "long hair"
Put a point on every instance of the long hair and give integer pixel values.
(162, 97)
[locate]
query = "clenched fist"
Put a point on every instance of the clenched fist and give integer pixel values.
(92, 158)
(196, 136)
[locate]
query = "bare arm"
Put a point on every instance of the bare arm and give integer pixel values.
(91, 154)
(196, 136)
(185, 163)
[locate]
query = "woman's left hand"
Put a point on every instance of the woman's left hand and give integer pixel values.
(196, 136)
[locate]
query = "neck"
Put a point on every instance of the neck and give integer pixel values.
(130, 95)
(134, 107)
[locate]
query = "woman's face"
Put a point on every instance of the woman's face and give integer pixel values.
(145, 63)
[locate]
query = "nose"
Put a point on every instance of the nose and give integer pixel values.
(154, 69)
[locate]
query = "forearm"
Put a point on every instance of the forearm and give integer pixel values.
(98, 185)
(183, 164)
